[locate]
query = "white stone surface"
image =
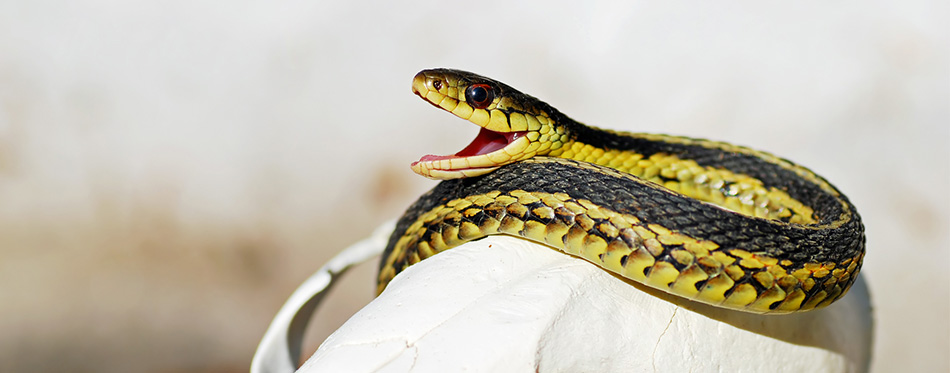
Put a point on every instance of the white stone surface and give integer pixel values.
(504, 304)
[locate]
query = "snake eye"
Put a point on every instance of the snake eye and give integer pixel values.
(479, 95)
(437, 84)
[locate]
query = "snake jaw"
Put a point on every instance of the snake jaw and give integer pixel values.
(488, 151)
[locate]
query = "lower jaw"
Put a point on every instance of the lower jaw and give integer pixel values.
(440, 174)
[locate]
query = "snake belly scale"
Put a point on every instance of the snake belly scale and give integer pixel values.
(709, 221)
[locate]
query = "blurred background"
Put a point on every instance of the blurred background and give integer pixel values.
(171, 170)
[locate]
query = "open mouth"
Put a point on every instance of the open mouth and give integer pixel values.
(486, 142)
(484, 154)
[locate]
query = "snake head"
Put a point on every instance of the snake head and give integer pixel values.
(514, 126)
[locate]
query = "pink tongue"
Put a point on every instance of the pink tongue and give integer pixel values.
(486, 142)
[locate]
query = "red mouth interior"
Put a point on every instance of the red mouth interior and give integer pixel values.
(486, 142)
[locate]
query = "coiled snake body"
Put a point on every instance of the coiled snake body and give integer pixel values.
(709, 221)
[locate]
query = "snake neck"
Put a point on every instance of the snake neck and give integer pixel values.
(604, 139)
(624, 144)
(598, 146)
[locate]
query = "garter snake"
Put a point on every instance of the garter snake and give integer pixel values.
(709, 221)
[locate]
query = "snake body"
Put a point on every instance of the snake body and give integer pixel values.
(709, 221)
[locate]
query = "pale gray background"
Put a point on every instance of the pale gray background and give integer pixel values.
(170, 170)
